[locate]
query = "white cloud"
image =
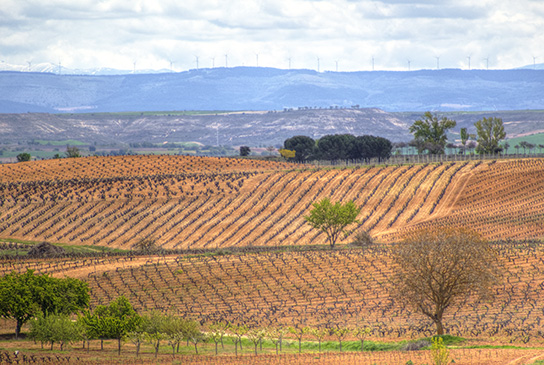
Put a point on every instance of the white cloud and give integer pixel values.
(115, 33)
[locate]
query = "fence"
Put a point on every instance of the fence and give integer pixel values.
(416, 159)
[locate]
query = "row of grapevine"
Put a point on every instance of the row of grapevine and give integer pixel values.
(322, 288)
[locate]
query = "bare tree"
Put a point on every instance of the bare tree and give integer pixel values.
(436, 270)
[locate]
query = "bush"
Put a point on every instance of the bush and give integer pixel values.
(145, 245)
(363, 239)
(415, 346)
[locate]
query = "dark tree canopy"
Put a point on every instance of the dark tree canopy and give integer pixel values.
(436, 270)
(302, 145)
(335, 146)
(367, 147)
(245, 151)
(23, 157)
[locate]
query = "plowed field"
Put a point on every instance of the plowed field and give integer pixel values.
(197, 202)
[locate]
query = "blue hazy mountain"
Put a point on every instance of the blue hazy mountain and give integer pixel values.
(259, 88)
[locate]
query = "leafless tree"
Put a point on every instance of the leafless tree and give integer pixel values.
(436, 270)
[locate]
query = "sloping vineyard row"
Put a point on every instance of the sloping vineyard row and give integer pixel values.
(253, 208)
(322, 288)
(502, 200)
(123, 166)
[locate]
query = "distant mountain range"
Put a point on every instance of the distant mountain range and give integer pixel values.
(259, 88)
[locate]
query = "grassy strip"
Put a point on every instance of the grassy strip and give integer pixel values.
(69, 142)
(80, 249)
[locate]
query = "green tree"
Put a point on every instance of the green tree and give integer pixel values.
(176, 329)
(72, 151)
(23, 157)
(332, 218)
(239, 331)
(25, 295)
(303, 146)
(116, 320)
(256, 335)
(299, 331)
(275, 335)
(464, 138)
(154, 328)
(319, 333)
(55, 329)
(137, 337)
(435, 270)
(193, 334)
(362, 332)
(430, 133)
(216, 331)
(490, 133)
(245, 151)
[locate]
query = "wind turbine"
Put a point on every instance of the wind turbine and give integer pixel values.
(437, 62)
(289, 60)
(134, 70)
(257, 58)
(29, 65)
(469, 61)
(317, 64)
(486, 63)
(336, 65)
(372, 63)
(534, 63)
(196, 58)
(409, 63)
(213, 62)
(226, 60)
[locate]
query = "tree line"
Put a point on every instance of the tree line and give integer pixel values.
(337, 147)
(430, 134)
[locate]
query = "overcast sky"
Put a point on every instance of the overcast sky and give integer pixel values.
(348, 34)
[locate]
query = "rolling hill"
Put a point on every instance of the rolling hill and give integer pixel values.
(190, 202)
(224, 203)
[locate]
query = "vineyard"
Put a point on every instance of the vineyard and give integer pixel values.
(196, 202)
(311, 288)
(237, 208)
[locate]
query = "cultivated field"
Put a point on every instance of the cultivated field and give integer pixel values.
(342, 288)
(192, 202)
(188, 202)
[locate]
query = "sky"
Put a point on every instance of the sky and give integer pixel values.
(326, 35)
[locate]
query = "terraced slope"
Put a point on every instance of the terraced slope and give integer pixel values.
(197, 202)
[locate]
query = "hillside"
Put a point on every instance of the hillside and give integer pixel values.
(313, 288)
(231, 129)
(242, 128)
(259, 88)
(188, 202)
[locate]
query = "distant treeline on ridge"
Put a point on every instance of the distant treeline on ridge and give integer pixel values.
(339, 147)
